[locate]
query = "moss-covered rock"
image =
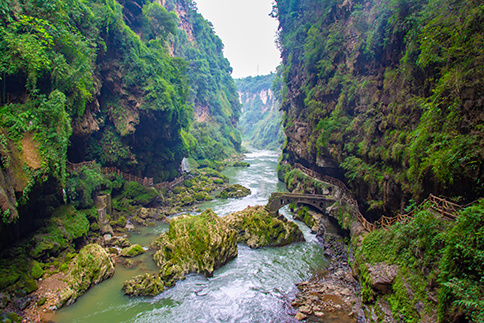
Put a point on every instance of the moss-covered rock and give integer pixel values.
(241, 164)
(140, 194)
(4, 300)
(144, 285)
(10, 317)
(257, 228)
(30, 285)
(37, 270)
(121, 242)
(132, 251)
(132, 196)
(235, 190)
(194, 244)
(195, 189)
(65, 225)
(91, 266)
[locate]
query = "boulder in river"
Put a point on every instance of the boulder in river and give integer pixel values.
(91, 266)
(132, 251)
(144, 285)
(233, 191)
(194, 244)
(257, 228)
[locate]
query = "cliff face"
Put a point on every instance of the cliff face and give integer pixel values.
(105, 82)
(261, 118)
(212, 91)
(386, 96)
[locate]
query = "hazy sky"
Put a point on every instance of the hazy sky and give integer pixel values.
(248, 34)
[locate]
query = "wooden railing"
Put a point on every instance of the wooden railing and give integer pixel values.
(71, 167)
(145, 181)
(171, 184)
(325, 178)
(437, 204)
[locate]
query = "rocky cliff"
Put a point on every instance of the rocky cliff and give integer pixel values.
(113, 82)
(260, 120)
(385, 95)
(212, 90)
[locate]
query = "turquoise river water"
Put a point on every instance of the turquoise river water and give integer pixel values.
(257, 286)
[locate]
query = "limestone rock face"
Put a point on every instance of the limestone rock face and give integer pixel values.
(144, 285)
(258, 228)
(194, 244)
(91, 266)
(382, 277)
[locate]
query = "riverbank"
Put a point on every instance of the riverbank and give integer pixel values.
(333, 294)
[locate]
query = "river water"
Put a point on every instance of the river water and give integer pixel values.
(257, 286)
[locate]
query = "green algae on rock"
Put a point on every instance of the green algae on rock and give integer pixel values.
(194, 244)
(132, 251)
(258, 229)
(91, 266)
(233, 191)
(144, 285)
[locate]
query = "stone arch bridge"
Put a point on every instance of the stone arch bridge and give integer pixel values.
(278, 200)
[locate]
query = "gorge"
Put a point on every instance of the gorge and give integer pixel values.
(119, 116)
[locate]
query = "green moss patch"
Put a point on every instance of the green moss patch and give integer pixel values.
(233, 191)
(258, 228)
(65, 225)
(132, 251)
(194, 244)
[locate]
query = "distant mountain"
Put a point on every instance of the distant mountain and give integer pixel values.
(260, 120)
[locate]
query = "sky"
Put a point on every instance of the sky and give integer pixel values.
(248, 34)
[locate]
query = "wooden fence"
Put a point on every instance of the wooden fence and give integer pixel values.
(437, 204)
(145, 181)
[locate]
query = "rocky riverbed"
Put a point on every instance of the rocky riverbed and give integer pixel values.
(333, 295)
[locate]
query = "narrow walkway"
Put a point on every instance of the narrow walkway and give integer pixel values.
(438, 205)
(145, 181)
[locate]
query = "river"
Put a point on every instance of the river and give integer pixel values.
(257, 286)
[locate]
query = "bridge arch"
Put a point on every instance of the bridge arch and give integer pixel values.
(278, 200)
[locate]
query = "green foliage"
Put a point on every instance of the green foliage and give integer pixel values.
(462, 266)
(81, 186)
(139, 194)
(65, 225)
(212, 91)
(212, 144)
(261, 118)
(303, 215)
(389, 90)
(428, 250)
(109, 148)
(37, 270)
(295, 178)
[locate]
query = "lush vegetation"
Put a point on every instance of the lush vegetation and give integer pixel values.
(100, 80)
(390, 91)
(438, 261)
(260, 121)
(212, 90)
(385, 94)
(87, 80)
(257, 228)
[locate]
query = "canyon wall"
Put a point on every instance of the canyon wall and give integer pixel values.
(385, 95)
